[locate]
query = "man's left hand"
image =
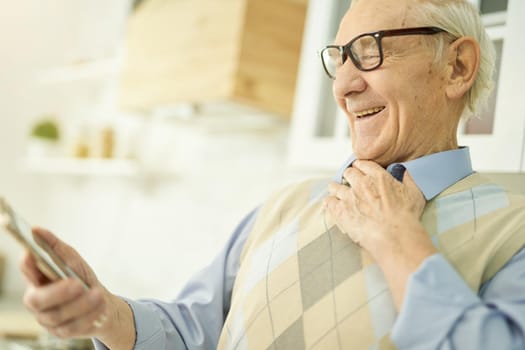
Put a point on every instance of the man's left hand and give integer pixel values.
(382, 215)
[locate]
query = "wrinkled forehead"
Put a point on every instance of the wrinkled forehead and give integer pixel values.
(372, 15)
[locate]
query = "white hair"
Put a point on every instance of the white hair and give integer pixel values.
(459, 18)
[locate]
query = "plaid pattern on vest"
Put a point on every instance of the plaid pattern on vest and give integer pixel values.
(303, 284)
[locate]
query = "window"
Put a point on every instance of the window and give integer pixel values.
(492, 6)
(494, 18)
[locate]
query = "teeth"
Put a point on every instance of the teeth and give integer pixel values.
(369, 111)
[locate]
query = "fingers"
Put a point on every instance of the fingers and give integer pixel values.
(408, 181)
(414, 191)
(364, 185)
(381, 177)
(356, 184)
(368, 167)
(377, 175)
(66, 253)
(339, 191)
(60, 248)
(82, 327)
(339, 194)
(31, 272)
(47, 237)
(369, 182)
(80, 316)
(52, 295)
(66, 309)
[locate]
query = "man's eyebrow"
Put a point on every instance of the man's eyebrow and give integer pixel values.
(333, 41)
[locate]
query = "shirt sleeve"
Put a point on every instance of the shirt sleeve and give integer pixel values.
(194, 320)
(441, 312)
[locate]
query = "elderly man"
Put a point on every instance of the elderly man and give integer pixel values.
(408, 248)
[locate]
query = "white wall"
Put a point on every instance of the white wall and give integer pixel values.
(143, 239)
(147, 238)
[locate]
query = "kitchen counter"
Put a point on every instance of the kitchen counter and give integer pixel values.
(20, 331)
(15, 321)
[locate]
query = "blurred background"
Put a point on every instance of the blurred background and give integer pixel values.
(141, 132)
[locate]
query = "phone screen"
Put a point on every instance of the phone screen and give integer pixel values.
(49, 263)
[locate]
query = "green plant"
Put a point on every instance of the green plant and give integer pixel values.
(46, 129)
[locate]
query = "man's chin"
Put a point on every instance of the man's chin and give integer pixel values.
(382, 159)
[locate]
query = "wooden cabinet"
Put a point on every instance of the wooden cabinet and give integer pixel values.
(199, 51)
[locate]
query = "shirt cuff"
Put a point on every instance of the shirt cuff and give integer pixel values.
(152, 329)
(436, 297)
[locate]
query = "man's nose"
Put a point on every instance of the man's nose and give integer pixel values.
(348, 80)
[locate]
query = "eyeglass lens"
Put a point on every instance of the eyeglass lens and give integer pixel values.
(365, 52)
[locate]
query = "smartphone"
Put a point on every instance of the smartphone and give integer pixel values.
(48, 262)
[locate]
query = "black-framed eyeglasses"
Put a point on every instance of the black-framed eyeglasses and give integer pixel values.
(366, 50)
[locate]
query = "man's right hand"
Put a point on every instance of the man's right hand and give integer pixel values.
(67, 309)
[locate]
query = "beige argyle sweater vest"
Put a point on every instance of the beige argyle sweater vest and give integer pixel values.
(302, 284)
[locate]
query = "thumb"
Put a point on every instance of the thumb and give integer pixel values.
(409, 182)
(414, 191)
(53, 245)
(46, 237)
(65, 253)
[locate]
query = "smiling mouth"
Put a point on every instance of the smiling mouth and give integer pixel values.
(369, 112)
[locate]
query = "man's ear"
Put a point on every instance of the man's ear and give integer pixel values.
(464, 60)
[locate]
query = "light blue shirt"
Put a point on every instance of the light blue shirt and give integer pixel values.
(440, 311)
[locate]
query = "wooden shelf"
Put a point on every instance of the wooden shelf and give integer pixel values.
(88, 70)
(16, 321)
(90, 167)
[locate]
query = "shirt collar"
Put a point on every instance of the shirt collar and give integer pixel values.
(433, 173)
